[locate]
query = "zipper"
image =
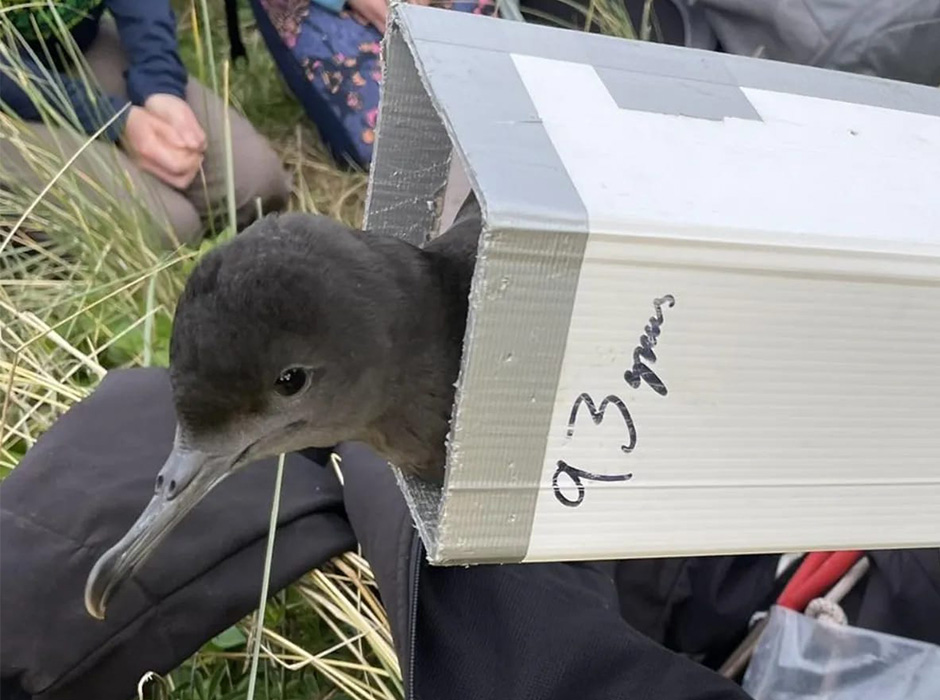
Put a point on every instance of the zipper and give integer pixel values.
(413, 610)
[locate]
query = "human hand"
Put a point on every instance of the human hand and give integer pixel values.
(159, 149)
(180, 116)
(375, 12)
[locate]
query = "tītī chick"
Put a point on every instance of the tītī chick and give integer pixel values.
(301, 332)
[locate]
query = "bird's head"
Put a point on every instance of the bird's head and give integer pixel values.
(281, 341)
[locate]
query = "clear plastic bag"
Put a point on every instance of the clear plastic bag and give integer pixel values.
(800, 658)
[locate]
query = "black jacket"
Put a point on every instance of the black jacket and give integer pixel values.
(540, 631)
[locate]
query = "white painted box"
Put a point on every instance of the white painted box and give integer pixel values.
(706, 311)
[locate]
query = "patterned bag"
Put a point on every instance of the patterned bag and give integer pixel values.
(331, 62)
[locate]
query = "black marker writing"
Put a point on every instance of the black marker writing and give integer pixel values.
(576, 475)
(644, 350)
(640, 372)
(597, 415)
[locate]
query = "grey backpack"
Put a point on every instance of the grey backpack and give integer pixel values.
(898, 39)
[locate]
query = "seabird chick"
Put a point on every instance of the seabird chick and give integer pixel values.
(301, 332)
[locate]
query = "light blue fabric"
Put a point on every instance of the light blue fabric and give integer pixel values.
(331, 5)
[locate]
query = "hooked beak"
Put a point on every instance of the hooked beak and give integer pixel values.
(185, 479)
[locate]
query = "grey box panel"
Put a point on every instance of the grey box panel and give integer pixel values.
(670, 95)
(516, 346)
(516, 331)
(410, 167)
(506, 152)
(452, 91)
(492, 34)
(536, 230)
(833, 85)
(657, 59)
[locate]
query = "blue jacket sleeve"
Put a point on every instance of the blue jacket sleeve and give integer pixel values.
(148, 34)
(93, 109)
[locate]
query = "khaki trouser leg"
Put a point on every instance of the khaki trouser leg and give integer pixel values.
(258, 172)
(107, 178)
(179, 215)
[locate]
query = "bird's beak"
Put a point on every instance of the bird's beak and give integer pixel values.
(186, 477)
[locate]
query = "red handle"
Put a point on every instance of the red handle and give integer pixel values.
(819, 572)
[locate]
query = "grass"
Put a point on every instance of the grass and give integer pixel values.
(91, 294)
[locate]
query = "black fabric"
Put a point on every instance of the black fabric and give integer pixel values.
(900, 595)
(543, 631)
(700, 606)
(527, 631)
(233, 28)
(384, 530)
(78, 490)
(533, 631)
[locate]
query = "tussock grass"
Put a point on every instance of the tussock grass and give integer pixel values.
(85, 289)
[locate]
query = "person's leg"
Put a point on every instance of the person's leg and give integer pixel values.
(107, 62)
(106, 59)
(330, 62)
(31, 156)
(257, 169)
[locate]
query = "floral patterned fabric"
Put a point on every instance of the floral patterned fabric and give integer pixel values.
(338, 57)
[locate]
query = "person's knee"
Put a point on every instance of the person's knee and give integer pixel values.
(260, 178)
(180, 225)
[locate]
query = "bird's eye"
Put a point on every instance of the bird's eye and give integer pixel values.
(291, 381)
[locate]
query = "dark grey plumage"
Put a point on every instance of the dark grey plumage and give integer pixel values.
(301, 332)
(377, 323)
